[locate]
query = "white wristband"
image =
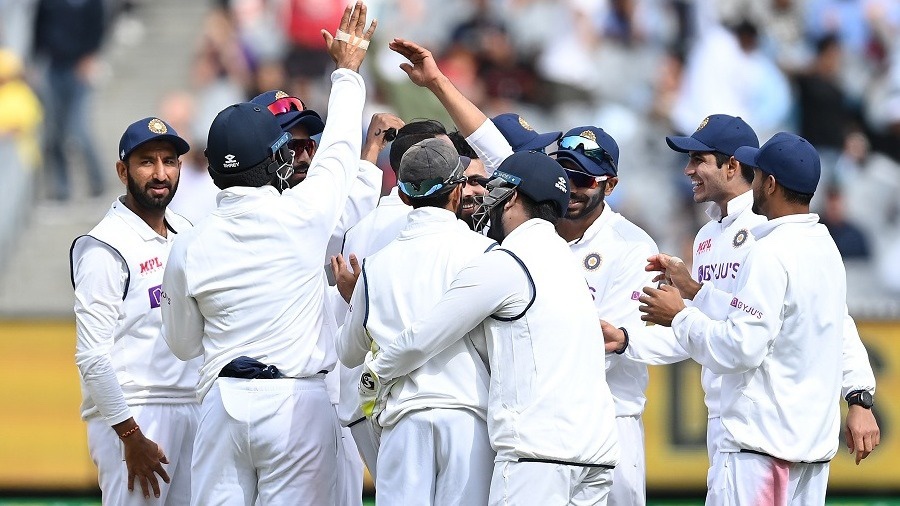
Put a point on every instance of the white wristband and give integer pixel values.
(352, 39)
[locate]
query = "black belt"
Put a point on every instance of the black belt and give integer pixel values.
(764, 454)
(249, 368)
(566, 463)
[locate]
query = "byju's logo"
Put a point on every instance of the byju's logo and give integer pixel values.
(155, 294)
(752, 311)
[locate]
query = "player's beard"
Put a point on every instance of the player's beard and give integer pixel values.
(590, 203)
(143, 198)
(496, 231)
(469, 216)
(300, 170)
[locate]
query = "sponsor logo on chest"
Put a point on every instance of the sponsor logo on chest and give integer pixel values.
(156, 295)
(151, 266)
(718, 271)
(704, 246)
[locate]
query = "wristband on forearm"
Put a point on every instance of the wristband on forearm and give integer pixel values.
(619, 352)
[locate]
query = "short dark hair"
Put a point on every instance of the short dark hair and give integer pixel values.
(422, 126)
(721, 158)
(746, 172)
(461, 145)
(439, 200)
(546, 210)
(795, 197)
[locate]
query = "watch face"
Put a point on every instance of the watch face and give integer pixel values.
(865, 399)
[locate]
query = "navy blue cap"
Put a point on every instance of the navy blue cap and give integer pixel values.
(719, 132)
(597, 164)
(306, 118)
(519, 134)
(150, 129)
(538, 176)
(790, 158)
(242, 137)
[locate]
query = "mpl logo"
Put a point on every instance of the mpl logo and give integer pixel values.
(704, 246)
(155, 294)
(230, 162)
(150, 265)
(752, 311)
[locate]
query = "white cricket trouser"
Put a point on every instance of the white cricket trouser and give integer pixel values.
(275, 439)
(435, 456)
(740, 479)
(715, 432)
(172, 427)
(518, 483)
(350, 478)
(629, 482)
(364, 437)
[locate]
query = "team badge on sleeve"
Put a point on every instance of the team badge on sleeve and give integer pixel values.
(592, 261)
(740, 238)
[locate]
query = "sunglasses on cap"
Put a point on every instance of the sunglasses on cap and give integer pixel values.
(589, 147)
(286, 104)
(583, 179)
(298, 145)
(429, 186)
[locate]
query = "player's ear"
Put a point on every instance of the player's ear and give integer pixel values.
(405, 198)
(122, 171)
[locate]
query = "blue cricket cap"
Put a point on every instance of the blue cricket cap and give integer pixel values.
(719, 132)
(538, 176)
(150, 129)
(790, 158)
(592, 149)
(241, 138)
(519, 134)
(290, 111)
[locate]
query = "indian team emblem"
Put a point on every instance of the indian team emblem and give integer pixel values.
(592, 261)
(703, 123)
(280, 94)
(525, 124)
(587, 134)
(740, 238)
(157, 126)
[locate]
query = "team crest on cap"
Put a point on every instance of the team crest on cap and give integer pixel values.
(703, 123)
(525, 124)
(280, 94)
(740, 238)
(157, 126)
(592, 261)
(587, 134)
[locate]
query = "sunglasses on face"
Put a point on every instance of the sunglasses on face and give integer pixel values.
(298, 145)
(584, 180)
(286, 104)
(476, 181)
(590, 149)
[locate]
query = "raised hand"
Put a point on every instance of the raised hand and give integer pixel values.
(348, 46)
(421, 69)
(378, 135)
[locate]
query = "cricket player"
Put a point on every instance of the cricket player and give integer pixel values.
(779, 348)
(246, 291)
(611, 253)
(139, 400)
(550, 413)
(434, 448)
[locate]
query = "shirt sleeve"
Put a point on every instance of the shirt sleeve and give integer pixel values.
(491, 146)
(741, 342)
(99, 275)
(713, 302)
(492, 284)
(182, 320)
(654, 345)
(353, 341)
(858, 373)
(362, 199)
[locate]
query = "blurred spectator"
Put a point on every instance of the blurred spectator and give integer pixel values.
(69, 35)
(20, 110)
(849, 238)
(307, 62)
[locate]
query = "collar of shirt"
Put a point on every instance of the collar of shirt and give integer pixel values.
(138, 224)
(732, 208)
(429, 220)
(766, 228)
(392, 199)
(605, 217)
(521, 236)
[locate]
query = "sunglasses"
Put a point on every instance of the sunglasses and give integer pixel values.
(476, 181)
(584, 180)
(286, 104)
(429, 186)
(298, 145)
(590, 149)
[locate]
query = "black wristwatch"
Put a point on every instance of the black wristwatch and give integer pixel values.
(860, 398)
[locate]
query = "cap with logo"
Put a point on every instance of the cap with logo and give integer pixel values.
(719, 132)
(290, 111)
(538, 176)
(519, 134)
(242, 143)
(146, 130)
(430, 167)
(790, 158)
(592, 149)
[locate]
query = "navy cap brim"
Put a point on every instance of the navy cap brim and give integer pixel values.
(181, 145)
(540, 142)
(584, 162)
(687, 144)
(307, 119)
(747, 155)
